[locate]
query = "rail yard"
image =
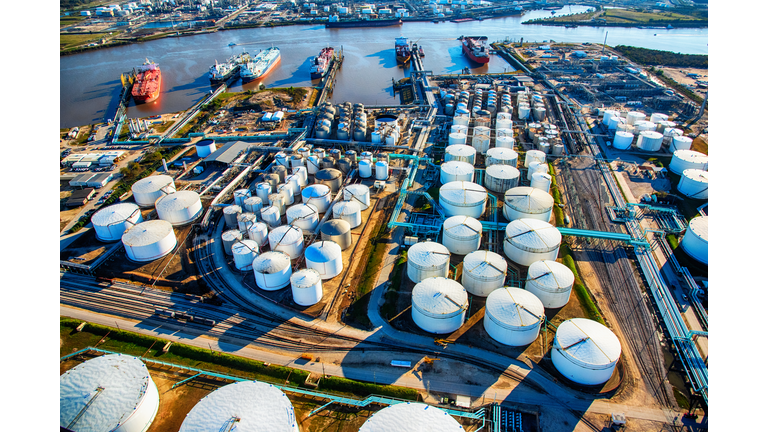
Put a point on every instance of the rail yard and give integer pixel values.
(341, 240)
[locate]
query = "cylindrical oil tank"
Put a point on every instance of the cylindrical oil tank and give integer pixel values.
(149, 240)
(694, 183)
(359, 193)
(306, 287)
(263, 190)
(531, 240)
(258, 232)
(687, 159)
(657, 117)
(205, 148)
(113, 392)
(244, 252)
(528, 202)
(585, 351)
(335, 154)
(551, 282)
(349, 211)
(229, 238)
(147, 190)
(642, 126)
(500, 156)
(273, 179)
(281, 160)
(297, 161)
(482, 131)
(301, 173)
(502, 123)
(680, 143)
(313, 164)
(460, 152)
(410, 417)
(304, 152)
(535, 156)
(304, 216)
(623, 140)
(480, 144)
(505, 132)
(338, 231)
(179, 208)
(513, 316)
(111, 222)
(539, 113)
(230, 215)
(537, 167)
(272, 270)
(271, 216)
(330, 177)
(649, 141)
(462, 234)
(240, 196)
(277, 201)
(286, 190)
(382, 170)
(463, 198)
(365, 168)
(318, 195)
(457, 138)
(322, 132)
(634, 116)
(253, 204)
(482, 272)
(427, 259)
(288, 239)
(461, 119)
(245, 220)
(696, 239)
(295, 181)
(345, 166)
(439, 305)
(505, 142)
(449, 109)
(459, 129)
(500, 178)
(541, 180)
(558, 149)
(325, 258)
(456, 171)
(327, 162)
(523, 111)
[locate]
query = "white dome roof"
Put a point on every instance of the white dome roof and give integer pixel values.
(457, 167)
(152, 184)
(286, 235)
(586, 342)
(252, 201)
(322, 251)
(245, 247)
(115, 213)
(428, 254)
(231, 235)
(300, 211)
(305, 278)
(463, 193)
(700, 226)
(333, 227)
(233, 209)
(514, 307)
(316, 190)
(533, 235)
(462, 227)
(485, 265)
(548, 273)
(439, 297)
(411, 417)
(461, 150)
(527, 199)
(501, 153)
(147, 233)
(271, 262)
(502, 171)
(345, 208)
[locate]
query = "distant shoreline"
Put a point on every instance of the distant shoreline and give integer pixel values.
(631, 25)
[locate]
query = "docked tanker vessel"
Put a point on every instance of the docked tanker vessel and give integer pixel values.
(223, 71)
(146, 87)
(261, 65)
(476, 48)
(321, 63)
(402, 50)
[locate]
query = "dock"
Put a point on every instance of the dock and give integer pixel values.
(326, 87)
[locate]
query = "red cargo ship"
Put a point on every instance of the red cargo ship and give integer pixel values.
(476, 48)
(146, 87)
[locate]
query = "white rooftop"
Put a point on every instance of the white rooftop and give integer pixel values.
(411, 417)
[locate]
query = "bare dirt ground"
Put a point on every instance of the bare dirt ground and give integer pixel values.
(681, 75)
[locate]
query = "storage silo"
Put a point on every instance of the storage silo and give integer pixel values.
(359, 193)
(263, 191)
(288, 239)
(462, 234)
(623, 140)
(306, 287)
(531, 240)
(439, 305)
(318, 195)
(482, 272)
(513, 316)
(277, 201)
(230, 215)
(252, 204)
(427, 259)
(258, 232)
(634, 116)
(271, 216)
(330, 177)
(541, 181)
(324, 257)
(382, 170)
(147, 190)
(688, 159)
(463, 198)
(649, 141)
(680, 143)
(585, 351)
(411, 417)
(301, 172)
(304, 216)
(149, 240)
(457, 138)
(286, 190)
(247, 406)
(537, 167)
(349, 211)
(205, 147)
(459, 129)
(245, 220)
(500, 156)
(243, 253)
(505, 142)
(313, 164)
(696, 239)
(460, 152)
(338, 231)
(229, 238)
(528, 202)
(535, 156)
(113, 392)
(456, 171)
(500, 178)
(694, 183)
(179, 208)
(365, 168)
(272, 270)
(551, 282)
(111, 222)
(657, 117)
(240, 196)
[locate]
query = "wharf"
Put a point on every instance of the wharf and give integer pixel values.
(330, 78)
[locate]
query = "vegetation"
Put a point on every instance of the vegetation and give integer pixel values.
(619, 17)
(652, 57)
(672, 240)
(372, 255)
(587, 303)
(67, 41)
(389, 309)
(559, 215)
(70, 20)
(676, 85)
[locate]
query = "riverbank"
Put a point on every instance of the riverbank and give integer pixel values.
(617, 17)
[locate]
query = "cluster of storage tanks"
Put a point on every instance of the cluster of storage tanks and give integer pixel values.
(632, 128)
(351, 124)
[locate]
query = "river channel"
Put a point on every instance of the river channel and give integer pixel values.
(90, 81)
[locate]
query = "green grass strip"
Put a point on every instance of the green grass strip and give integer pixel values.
(587, 303)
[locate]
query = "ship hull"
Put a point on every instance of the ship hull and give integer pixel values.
(144, 96)
(364, 23)
(249, 78)
(474, 58)
(222, 78)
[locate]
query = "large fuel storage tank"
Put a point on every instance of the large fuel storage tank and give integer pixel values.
(439, 305)
(330, 177)
(149, 240)
(456, 171)
(427, 259)
(501, 156)
(462, 234)
(147, 190)
(243, 253)
(288, 239)
(531, 240)
(585, 351)
(551, 282)
(696, 239)
(482, 272)
(253, 204)
(304, 216)
(463, 198)
(325, 257)
(694, 183)
(359, 193)
(500, 178)
(318, 195)
(258, 232)
(349, 211)
(528, 202)
(271, 216)
(272, 270)
(306, 287)
(688, 159)
(338, 231)
(230, 215)
(111, 222)
(513, 316)
(459, 152)
(411, 417)
(179, 208)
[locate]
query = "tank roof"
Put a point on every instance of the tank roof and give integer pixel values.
(152, 183)
(502, 171)
(305, 278)
(514, 307)
(484, 264)
(115, 213)
(463, 192)
(286, 234)
(411, 417)
(344, 208)
(528, 199)
(322, 251)
(439, 296)
(588, 342)
(147, 233)
(316, 190)
(461, 226)
(180, 200)
(271, 262)
(428, 254)
(550, 273)
(532, 234)
(700, 226)
(335, 227)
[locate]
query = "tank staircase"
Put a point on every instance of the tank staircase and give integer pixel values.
(85, 408)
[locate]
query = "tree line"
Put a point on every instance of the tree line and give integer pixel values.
(649, 57)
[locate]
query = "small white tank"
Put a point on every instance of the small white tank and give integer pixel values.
(382, 170)
(263, 190)
(272, 270)
(313, 164)
(505, 142)
(147, 190)
(318, 195)
(258, 232)
(304, 216)
(537, 167)
(687, 159)
(500, 178)
(585, 351)
(531, 240)
(240, 196)
(306, 287)
(205, 148)
(462, 234)
(427, 259)
(481, 144)
(528, 202)
(456, 170)
(271, 216)
(149, 240)
(244, 252)
(325, 258)
(230, 215)
(229, 238)
(504, 132)
(694, 183)
(500, 156)
(623, 140)
(459, 129)
(253, 204)
(482, 131)
(359, 193)
(301, 172)
(551, 282)
(439, 305)
(463, 198)
(657, 117)
(649, 141)
(349, 211)
(365, 168)
(696, 239)
(482, 272)
(634, 116)
(245, 220)
(534, 156)
(513, 316)
(277, 201)
(541, 181)
(680, 143)
(457, 138)
(460, 152)
(288, 239)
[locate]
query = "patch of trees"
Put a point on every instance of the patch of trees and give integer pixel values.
(651, 57)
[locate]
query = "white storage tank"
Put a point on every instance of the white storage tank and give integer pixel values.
(623, 140)
(205, 148)
(263, 191)
(463, 198)
(271, 216)
(304, 216)
(245, 220)
(680, 143)
(439, 305)
(147, 190)
(230, 215)
(244, 252)
(537, 167)
(277, 200)
(427, 259)
(306, 287)
(149, 240)
(460, 152)
(318, 195)
(338, 231)
(505, 142)
(286, 190)
(365, 168)
(272, 270)
(696, 239)
(179, 208)
(411, 417)
(634, 116)
(301, 172)
(382, 170)
(688, 159)
(229, 238)
(113, 392)
(111, 222)
(240, 196)
(657, 117)
(288, 239)
(694, 183)
(535, 156)
(531, 240)
(649, 141)
(258, 232)
(513, 316)
(253, 204)
(349, 211)
(551, 282)
(541, 181)
(500, 156)
(482, 272)
(359, 193)
(245, 406)
(313, 164)
(457, 138)
(528, 202)
(325, 258)
(330, 177)
(500, 178)
(462, 234)
(459, 129)
(585, 351)
(456, 171)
